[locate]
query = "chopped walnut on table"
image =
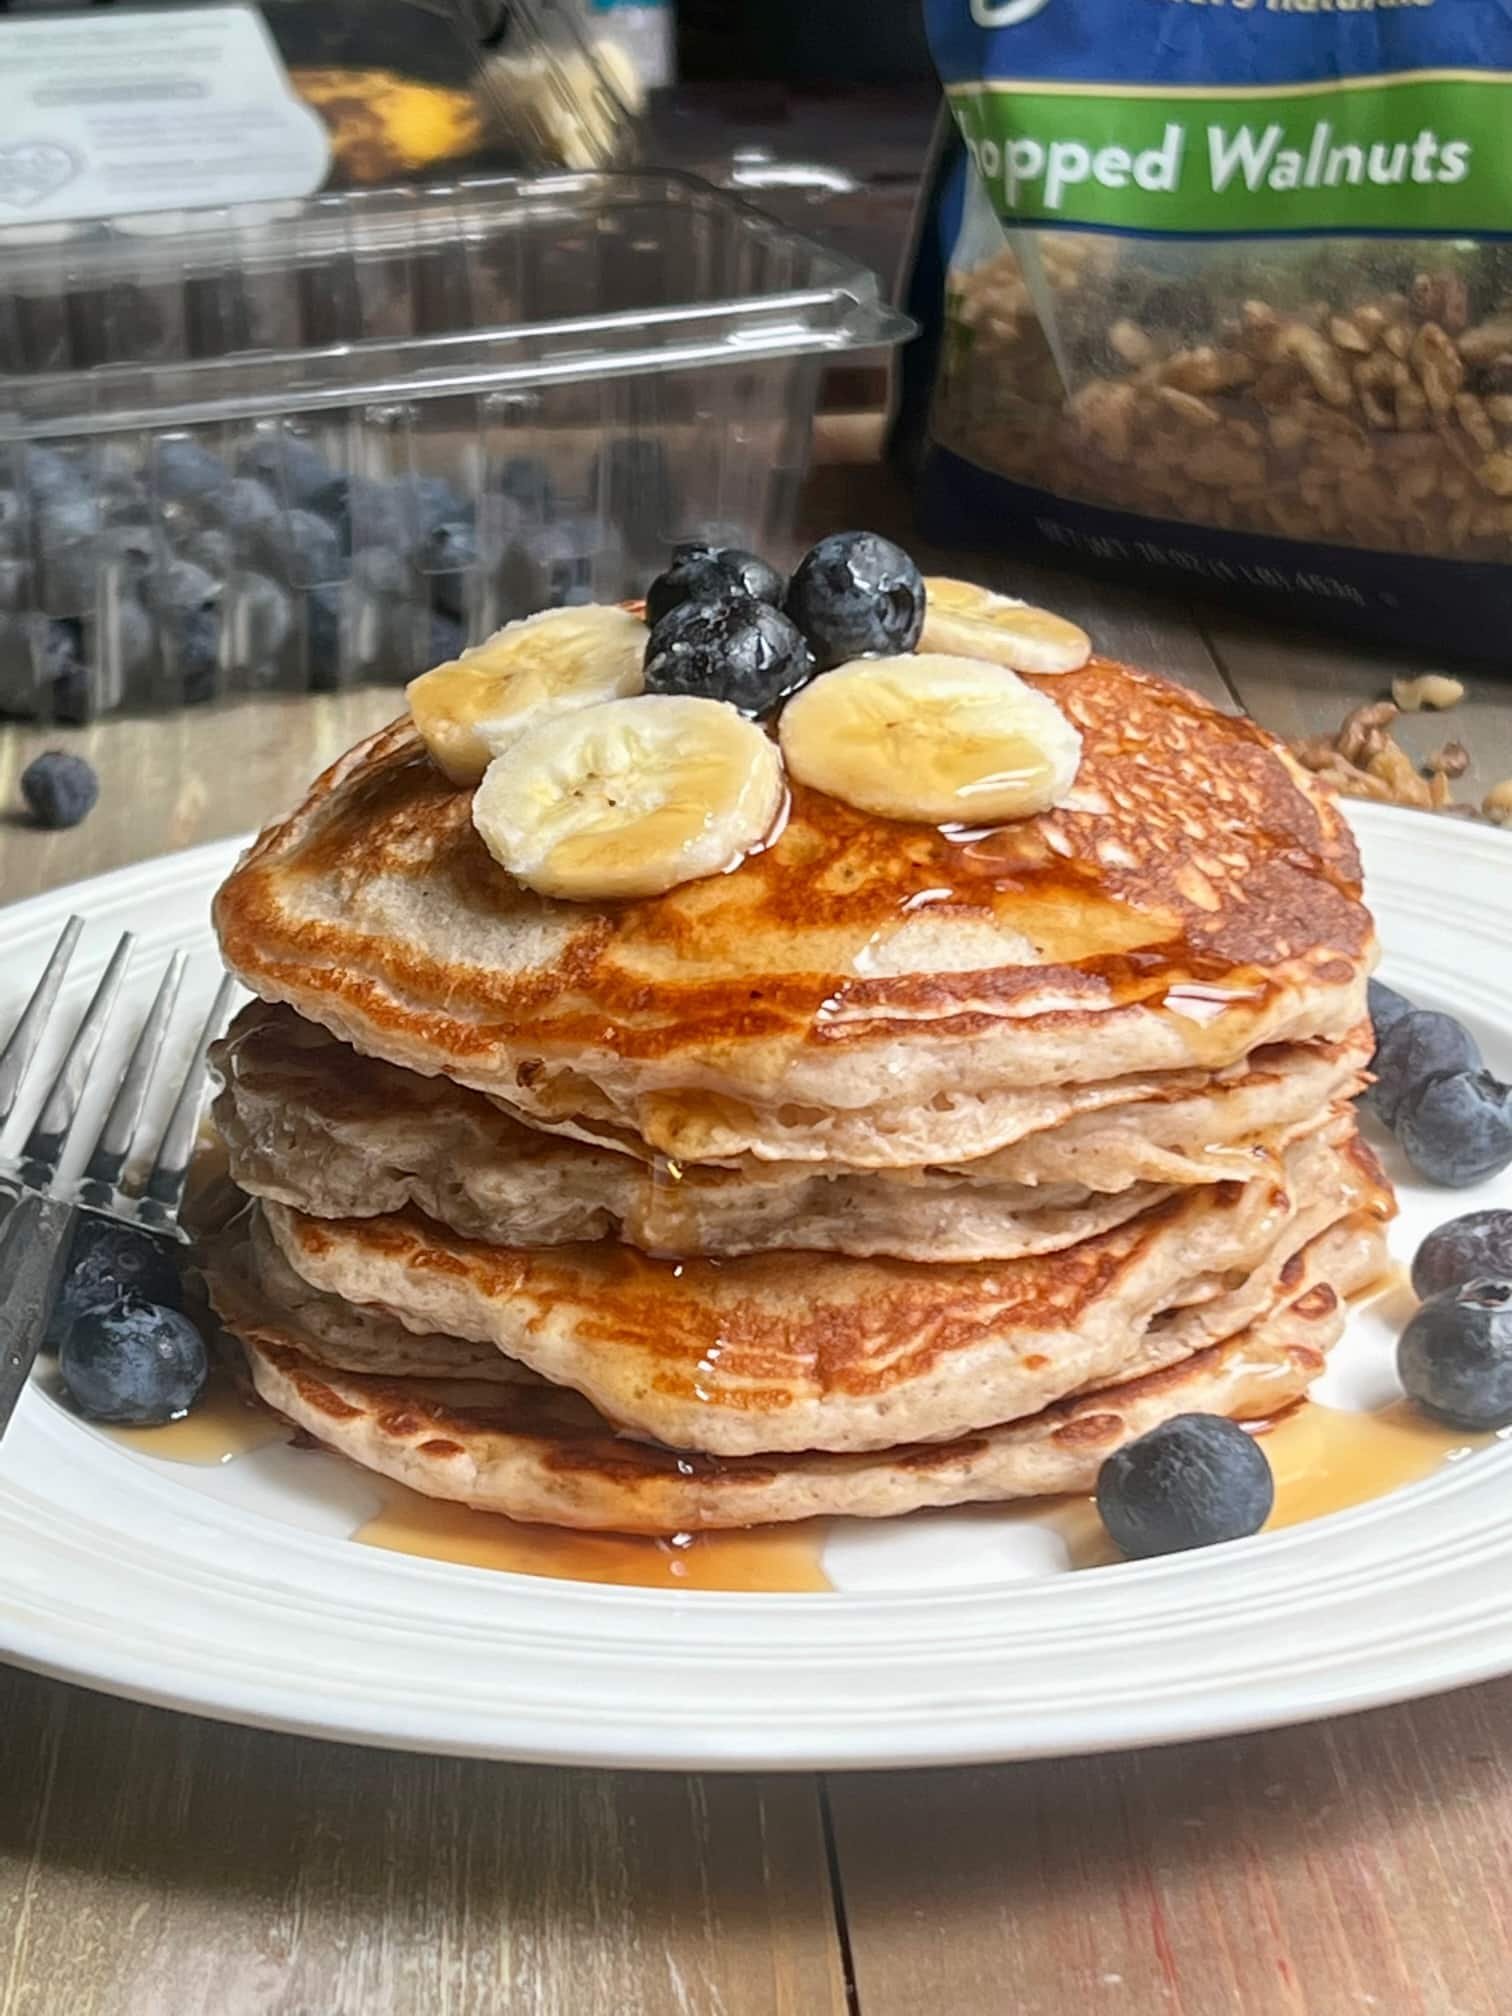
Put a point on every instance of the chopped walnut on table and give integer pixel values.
(1361, 759)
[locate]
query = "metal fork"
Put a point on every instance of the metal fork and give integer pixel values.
(36, 1234)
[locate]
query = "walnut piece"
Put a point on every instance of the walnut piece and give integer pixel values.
(1453, 760)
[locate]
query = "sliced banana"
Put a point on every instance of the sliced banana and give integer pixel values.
(630, 798)
(939, 739)
(972, 622)
(471, 709)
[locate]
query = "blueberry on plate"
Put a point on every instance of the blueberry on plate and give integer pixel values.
(59, 789)
(704, 573)
(1457, 1130)
(133, 1362)
(1455, 1356)
(856, 595)
(735, 649)
(1419, 1045)
(1387, 1008)
(1473, 1248)
(1193, 1481)
(107, 1260)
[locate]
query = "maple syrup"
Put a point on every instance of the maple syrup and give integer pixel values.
(770, 1560)
(1324, 1459)
(225, 1424)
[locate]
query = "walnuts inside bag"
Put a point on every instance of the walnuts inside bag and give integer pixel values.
(1218, 292)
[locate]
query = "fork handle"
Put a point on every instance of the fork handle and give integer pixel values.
(33, 1247)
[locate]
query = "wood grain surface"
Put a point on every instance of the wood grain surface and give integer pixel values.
(158, 1865)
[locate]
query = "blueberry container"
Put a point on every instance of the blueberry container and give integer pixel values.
(332, 441)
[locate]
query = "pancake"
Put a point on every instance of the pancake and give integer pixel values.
(1194, 899)
(790, 1351)
(308, 1122)
(536, 1452)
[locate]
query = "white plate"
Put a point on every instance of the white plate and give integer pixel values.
(237, 1592)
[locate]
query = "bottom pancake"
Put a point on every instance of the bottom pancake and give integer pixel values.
(542, 1454)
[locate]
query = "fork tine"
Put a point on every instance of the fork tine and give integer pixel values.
(164, 1189)
(45, 1144)
(27, 1034)
(108, 1157)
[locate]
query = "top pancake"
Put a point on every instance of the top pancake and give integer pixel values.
(1193, 899)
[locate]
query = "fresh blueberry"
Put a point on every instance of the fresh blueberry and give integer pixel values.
(184, 469)
(1387, 1008)
(209, 547)
(527, 483)
(261, 620)
(433, 502)
(68, 532)
(735, 649)
(555, 566)
(1193, 1481)
(194, 640)
(12, 522)
(183, 585)
(323, 607)
(1475, 1247)
(133, 547)
(69, 688)
(447, 556)
(51, 474)
(448, 637)
(291, 467)
(134, 635)
(134, 1363)
(365, 513)
(855, 595)
(244, 506)
(304, 548)
(1455, 1356)
(381, 570)
(59, 789)
(15, 584)
(107, 1260)
(1457, 1130)
(701, 574)
(1419, 1045)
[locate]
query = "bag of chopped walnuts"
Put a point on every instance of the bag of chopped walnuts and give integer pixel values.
(1218, 291)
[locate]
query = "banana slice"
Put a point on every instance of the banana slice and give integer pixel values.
(471, 709)
(972, 622)
(930, 738)
(630, 798)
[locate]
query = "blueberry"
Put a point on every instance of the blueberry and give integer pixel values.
(703, 574)
(133, 546)
(244, 505)
(855, 595)
(107, 1260)
(447, 555)
(59, 789)
(1455, 1356)
(381, 570)
(1457, 1130)
(51, 474)
(183, 585)
(209, 547)
(1193, 1481)
(1387, 1008)
(304, 548)
(1477, 1246)
(735, 649)
(364, 512)
(554, 566)
(70, 691)
(1419, 1045)
(261, 620)
(12, 522)
(447, 637)
(323, 606)
(527, 483)
(434, 502)
(184, 469)
(133, 1363)
(68, 531)
(134, 634)
(194, 640)
(291, 467)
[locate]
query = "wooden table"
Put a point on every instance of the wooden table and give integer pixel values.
(156, 1865)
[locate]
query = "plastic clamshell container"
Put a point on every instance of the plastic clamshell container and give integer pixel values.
(333, 441)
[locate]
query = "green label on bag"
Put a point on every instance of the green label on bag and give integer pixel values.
(1420, 155)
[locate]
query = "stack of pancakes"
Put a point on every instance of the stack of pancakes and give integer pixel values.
(897, 1167)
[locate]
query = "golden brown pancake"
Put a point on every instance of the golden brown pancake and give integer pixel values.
(787, 1351)
(1193, 899)
(536, 1452)
(307, 1121)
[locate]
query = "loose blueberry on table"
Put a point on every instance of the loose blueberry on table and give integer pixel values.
(59, 789)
